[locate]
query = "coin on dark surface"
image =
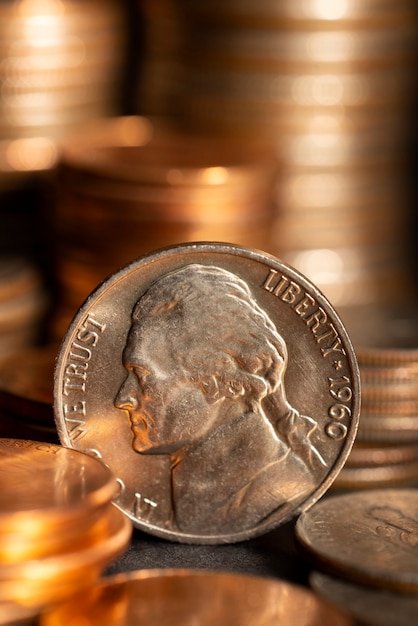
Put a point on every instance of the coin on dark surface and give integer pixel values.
(219, 386)
(183, 596)
(375, 607)
(368, 537)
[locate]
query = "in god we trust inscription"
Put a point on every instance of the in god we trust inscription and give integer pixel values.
(217, 383)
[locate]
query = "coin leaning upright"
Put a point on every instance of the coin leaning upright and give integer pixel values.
(217, 383)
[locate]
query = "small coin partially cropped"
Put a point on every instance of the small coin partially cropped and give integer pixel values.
(368, 537)
(219, 386)
(375, 607)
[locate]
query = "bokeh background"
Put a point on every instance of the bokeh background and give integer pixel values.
(286, 126)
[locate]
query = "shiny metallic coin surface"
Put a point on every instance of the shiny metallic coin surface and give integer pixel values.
(49, 580)
(55, 484)
(217, 383)
(174, 597)
(368, 537)
(68, 562)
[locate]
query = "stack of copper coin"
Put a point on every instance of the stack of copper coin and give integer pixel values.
(26, 396)
(380, 588)
(127, 186)
(23, 304)
(385, 452)
(61, 63)
(333, 85)
(58, 526)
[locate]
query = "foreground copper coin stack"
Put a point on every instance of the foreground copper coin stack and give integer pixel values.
(184, 596)
(60, 64)
(23, 304)
(58, 527)
(129, 185)
(333, 85)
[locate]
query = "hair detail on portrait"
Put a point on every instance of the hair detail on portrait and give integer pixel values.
(205, 385)
(227, 344)
(219, 331)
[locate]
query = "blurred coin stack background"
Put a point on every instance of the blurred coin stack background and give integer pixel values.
(130, 185)
(61, 64)
(23, 303)
(26, 393)
(385, 452)
(333, 85)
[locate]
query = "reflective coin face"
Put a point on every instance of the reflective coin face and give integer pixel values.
(219, 386)
(49, 481)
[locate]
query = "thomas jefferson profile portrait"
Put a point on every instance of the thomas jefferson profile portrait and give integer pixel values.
(205, 385)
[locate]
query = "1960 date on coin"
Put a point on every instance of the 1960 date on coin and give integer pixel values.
(217, 383)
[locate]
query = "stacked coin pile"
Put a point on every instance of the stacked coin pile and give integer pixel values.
(336, 534)
(23, 304)
(127, 186)
(26, 382)
(333, 85)
(61, 63)
(184, 596)
(57, 524)
(385, 452)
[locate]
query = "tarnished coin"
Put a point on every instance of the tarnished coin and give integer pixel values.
(174, 597)
(374, 607)
(217, 383)
(369, 537)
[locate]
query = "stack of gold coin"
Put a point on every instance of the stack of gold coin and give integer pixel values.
(362, 549)
(58, 526)
(23, 304)
(61, 63)
(386, 448)
(128, 185)
(333, 86)
(26, 383)
(385, 452)
(187, 596)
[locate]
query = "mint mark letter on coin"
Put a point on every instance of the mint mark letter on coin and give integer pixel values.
(204, 384)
